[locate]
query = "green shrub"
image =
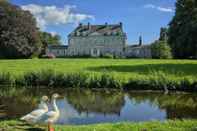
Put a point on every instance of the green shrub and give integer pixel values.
(45, 77)
(78, 80)
(105, 81)
(161, 50)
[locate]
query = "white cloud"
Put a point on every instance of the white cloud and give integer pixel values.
(159, 8)
(53, 33)
(165, 9)
(150, 6)
(52, 15)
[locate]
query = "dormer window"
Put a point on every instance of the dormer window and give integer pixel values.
(78, 33)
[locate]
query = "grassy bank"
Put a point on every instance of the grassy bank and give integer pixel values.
(185, 125)
(101, 73)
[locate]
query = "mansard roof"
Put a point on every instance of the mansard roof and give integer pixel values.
(103, 30)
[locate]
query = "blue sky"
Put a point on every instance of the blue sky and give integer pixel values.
(139, 17)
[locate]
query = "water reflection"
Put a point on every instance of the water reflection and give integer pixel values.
(85, 106)
(90, 101)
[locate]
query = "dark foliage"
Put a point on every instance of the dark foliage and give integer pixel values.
(18, 33)
(48, 39)
(163, 34)
(183, 30)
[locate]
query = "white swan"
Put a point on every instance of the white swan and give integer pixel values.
(36, 115)
(52, 116)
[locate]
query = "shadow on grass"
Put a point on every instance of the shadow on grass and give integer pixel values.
(178, 69)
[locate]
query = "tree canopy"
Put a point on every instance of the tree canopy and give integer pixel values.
(183, 30)
(161, 50)
(19, 36)
(163, 34)
(48, 39)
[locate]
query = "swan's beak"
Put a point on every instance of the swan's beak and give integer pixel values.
(56, 96)
(60, 96)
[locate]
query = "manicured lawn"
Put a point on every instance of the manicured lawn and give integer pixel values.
(185, 125)
(142, 74)
(123, 68)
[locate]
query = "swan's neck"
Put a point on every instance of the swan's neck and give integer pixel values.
(55, 105)
(44, 105)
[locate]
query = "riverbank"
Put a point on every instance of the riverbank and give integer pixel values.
(184, 125)
(134, 74)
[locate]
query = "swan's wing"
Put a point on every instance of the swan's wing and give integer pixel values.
(27, 117)
(33, 115)
(37, 112)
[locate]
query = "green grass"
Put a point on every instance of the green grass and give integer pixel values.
(124, 67)
(184, 125)
(135, 73)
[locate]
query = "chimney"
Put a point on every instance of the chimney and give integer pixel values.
(120, 24)
(140, 41)
(80, 24)
(89, 26)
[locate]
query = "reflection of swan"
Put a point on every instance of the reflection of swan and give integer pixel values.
(52, 116)
(35, 115)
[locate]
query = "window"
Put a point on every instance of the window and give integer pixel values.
(95, 51)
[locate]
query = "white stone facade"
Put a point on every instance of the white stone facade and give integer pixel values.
(96, 45)
(99, 40)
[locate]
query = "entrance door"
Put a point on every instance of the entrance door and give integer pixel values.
(95, 52)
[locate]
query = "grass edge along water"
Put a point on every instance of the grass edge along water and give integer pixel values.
(172, 125)
(50, 78)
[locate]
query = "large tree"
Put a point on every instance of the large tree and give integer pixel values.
(49, 39)
(183, 29)
(19, 37)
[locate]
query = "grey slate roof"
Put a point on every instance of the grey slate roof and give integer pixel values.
(87, 30)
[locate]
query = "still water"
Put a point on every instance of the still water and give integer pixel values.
(88, 106)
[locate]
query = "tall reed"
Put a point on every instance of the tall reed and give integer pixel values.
(5, 79)
(49, 78)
